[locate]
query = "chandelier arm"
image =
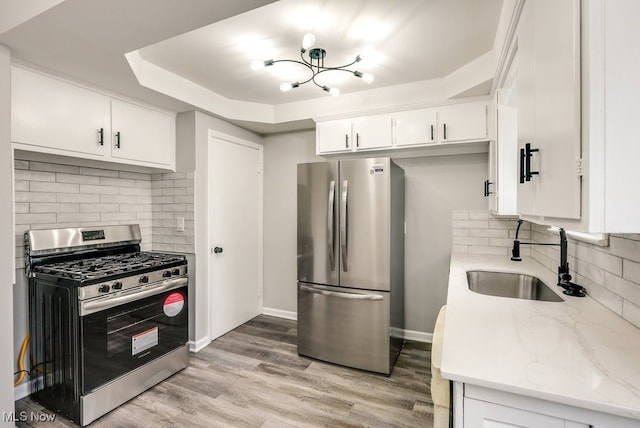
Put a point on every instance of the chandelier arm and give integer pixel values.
(301, 63)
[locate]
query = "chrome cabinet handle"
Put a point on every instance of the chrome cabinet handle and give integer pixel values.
(331, 206)
(342, 295)
(92, 306)
(343, 226)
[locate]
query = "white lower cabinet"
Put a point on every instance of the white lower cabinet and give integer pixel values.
(480, 414)
(50, 115)
(490, 408)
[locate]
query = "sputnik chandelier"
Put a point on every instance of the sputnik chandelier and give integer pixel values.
(315, 63)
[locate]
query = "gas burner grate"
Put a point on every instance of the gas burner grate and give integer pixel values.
(106, 266)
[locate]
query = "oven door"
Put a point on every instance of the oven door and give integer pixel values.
(122, 333)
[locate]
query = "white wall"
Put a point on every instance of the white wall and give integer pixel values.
(192, 154)
(435, 186)
(6, 237)
(282, 154)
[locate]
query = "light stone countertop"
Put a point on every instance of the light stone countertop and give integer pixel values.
(575, 352)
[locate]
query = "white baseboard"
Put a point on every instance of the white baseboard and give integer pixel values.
(290, 315)
(199, 344)
(418, 336)
(24, 389)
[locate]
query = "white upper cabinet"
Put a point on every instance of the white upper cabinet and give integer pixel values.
(415, 127)
(141, 134)
(372, 132)
(549, 109)
(463, 122)
(50, 115)
(333, 136)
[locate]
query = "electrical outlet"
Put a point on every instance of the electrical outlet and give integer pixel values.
(180, 224)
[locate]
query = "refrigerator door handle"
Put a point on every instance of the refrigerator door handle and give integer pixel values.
(342, 295)
(343, 226)
(330, 220)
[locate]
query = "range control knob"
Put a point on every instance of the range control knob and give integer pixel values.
(143, 279)
(176, 271)
(104, 288)
(116, 285)
(166, 274)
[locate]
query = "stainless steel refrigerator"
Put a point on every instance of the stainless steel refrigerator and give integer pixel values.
(351, 262)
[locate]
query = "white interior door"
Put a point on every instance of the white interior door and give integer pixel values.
(235, 216)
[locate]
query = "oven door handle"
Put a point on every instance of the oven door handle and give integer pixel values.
(93, 306)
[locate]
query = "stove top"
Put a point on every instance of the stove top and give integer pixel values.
(105, 267)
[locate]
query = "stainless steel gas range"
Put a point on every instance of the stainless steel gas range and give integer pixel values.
(107, 321)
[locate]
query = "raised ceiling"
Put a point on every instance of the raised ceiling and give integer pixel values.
(194, 54)
(412, 40)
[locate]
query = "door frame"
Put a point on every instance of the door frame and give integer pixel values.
(206, 221)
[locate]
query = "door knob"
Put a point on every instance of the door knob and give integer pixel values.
(217, 250)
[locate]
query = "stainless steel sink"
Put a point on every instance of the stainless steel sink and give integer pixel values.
(514, 285)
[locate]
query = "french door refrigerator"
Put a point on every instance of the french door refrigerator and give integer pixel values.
(351, 262)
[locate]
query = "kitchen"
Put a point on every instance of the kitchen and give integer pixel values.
(445, 209)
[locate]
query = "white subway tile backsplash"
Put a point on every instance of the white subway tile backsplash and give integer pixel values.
(35, 197)
(490, 233)
(98, 172)
(631, 313)
(76, 217)
(478, 232)
(631, 271)
(37, 207)
(79, 179)
(77, 198)
(38, 186)
(470, 224)
(52, 167)
(35, 176)
(50, 195)
(100, 190)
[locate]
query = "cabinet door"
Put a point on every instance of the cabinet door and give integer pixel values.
(50, 113)
(141, 134)
(372, 132)
(526, 107)
(481, 414)
(462, 122)
(557, 106)
(333, 136)
(415, 127)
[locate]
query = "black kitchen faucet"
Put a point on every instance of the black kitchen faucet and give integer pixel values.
(564, 277)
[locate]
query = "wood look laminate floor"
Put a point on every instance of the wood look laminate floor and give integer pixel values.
(253, 377)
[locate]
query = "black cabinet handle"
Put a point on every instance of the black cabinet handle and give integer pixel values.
(431, 132)
(522, 166)
(357, 140)
(445, 131)
(101, 136)
(346, 141)
(487, 183)
(529, 150)
(118, 140)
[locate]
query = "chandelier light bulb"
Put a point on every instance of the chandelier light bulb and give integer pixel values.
(334, 91)
(367, 77)
(286, 87)
(308, 40)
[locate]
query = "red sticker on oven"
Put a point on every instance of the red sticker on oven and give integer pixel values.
(173, 304)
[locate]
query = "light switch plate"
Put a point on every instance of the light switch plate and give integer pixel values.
(180, 224)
